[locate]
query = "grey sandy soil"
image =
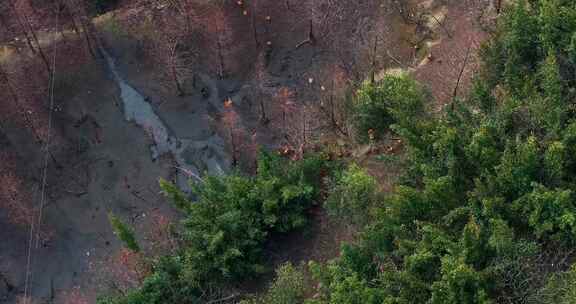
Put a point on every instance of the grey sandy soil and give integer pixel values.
(115, 173)
(116, 170)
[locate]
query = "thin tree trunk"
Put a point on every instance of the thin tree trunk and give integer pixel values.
(263, 119)
(78, 17)
(4, 135)
(332, 106)
(333, 119)
(284, 127)
(61, 24)
(85, 28)
(219, 46)
(176, 80)
(455, 93)
(173, 70)
(220, 58)
(34, 37)
(304, 142)
(233, 144)
(184, 12)
(373, 73)
(254, 28)
(74, 26)
(62, 30)
(23, 29)
(311, 36)
(72, 19)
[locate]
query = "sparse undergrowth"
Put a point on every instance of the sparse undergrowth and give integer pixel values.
(289, 287)
(394, 100)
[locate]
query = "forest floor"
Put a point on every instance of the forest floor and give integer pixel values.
(111, 168)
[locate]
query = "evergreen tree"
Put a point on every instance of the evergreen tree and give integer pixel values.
(123, 232)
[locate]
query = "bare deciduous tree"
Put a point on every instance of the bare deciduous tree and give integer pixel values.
(260, 78)
(22, 10)
(174, 61)
(79, 15)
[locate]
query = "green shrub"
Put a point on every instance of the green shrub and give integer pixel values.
(396, 99)
(234, 214)
(560, 288)
(514, 269)
(489, 182)
(167, 284)
(225, 228)
(352, 195)
(288, 288)
(123, 232)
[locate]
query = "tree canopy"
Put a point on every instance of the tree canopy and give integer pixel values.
(489, 184)
(225, 227)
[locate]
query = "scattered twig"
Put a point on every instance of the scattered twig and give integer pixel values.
(76, 193)
(137, 195)
(311, 38)
(395, 59)
(189, 173)
(374, 62)
(442, 26)
(52, 291)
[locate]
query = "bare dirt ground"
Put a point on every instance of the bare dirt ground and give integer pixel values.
(112, 172)
(450, 57)
(107, 165)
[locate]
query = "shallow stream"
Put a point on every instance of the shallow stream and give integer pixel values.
(194, 157)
